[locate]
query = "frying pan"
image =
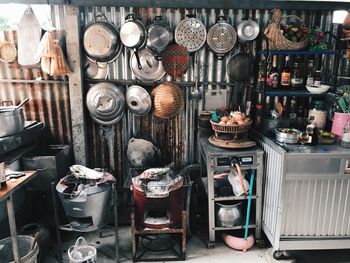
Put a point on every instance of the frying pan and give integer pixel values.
(240, 66)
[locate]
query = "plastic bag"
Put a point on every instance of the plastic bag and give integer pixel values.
(238, 182)
(82, 252)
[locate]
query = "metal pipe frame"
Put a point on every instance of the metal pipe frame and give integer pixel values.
(13, 230)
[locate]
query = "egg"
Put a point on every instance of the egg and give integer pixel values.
(224, 119)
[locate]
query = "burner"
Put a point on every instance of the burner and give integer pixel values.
(231, 144)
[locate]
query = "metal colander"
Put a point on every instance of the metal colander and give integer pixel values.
(221, 37)
(190, 33)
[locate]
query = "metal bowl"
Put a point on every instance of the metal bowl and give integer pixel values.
(287, 135)
(228, 215)
(248, 30)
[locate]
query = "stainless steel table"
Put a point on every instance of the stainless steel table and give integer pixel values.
(218, 160)
(6, 194)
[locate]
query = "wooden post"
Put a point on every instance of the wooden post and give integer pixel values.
(76, 94)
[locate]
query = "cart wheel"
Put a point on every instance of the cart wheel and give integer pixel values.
(260, 243)
(278, 255)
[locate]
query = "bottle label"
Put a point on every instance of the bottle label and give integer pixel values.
(274, 79)
(285, 78)
(309, 81)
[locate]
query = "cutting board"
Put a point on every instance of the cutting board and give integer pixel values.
(28, 35)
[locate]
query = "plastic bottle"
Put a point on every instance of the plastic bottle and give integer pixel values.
(345, 141)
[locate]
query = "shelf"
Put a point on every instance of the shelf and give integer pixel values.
(232, 198)
(33, 81)
(300, 52)
(291, 93)
(218, 228)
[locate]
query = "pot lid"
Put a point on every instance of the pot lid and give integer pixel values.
(105, 103)
(138, 100)
(190, 33)
(221, 37)
(151, 68)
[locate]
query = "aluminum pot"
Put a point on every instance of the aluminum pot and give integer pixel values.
(287, 135)
(101, 40)
(228, 215)
(159, 36)
(248, 30)
(11, 119)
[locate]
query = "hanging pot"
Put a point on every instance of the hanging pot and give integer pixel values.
(190, 33)
(159, 36)
(240, 66)
(11, 119)
(221, 37)
(247, 30)
(105, 103)
(151, 68)
(133, 34)
(101, 40)
(138, 100)
(95, 71)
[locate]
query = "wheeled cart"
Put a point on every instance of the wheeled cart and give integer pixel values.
(217, 160)
(306, 196)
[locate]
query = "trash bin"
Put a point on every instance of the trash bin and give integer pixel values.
(24, 245)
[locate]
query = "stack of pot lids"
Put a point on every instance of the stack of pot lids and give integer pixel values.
(138, 100)
(221, 37)
(151, 68)
(105, 103)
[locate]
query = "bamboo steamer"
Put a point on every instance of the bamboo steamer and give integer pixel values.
(276, 38)
(168, 100)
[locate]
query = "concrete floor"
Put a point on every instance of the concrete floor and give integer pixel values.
(196, 251)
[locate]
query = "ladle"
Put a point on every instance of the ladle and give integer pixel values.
(20, 105)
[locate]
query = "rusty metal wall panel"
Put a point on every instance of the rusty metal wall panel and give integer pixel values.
(48, 100)
(175, 137)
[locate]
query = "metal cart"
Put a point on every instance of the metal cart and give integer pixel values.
(306, 196)
(219, 160)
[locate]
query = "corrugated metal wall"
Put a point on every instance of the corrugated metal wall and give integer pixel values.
(177, 137)
(48, 99)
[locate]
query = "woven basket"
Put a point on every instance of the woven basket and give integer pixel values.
(175, 60)
(168, 100)
(234, 129)
(276, 38)
(8, 52)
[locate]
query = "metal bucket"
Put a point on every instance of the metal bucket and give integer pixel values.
(24, 245)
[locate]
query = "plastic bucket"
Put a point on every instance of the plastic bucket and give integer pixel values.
(81, 252)
(339, 122)
(24, 245)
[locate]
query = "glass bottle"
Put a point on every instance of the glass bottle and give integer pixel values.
(2, 175)
(273, 75)
(345, 141)
(262, 73)
(317, 79)
(286, 74)
(293, 109)
(296, 78)
(310, 73)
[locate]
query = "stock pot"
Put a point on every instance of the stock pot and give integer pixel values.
(11, 119)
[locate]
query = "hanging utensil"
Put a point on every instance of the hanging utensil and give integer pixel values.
(247, 30)
(159, 36)
(151, 68)
(8, 52)
(175, 60)
(101, 41)
(133, 34)
(240, 66)
(138, 100)
(28, 38)
(190, 33)
(21, 104)
(221, 37)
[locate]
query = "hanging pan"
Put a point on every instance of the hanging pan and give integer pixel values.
(133, 34)
(159, 36)
(190, 33)
(221, 37)
(101, 41)
(247, 30)
(240, 66)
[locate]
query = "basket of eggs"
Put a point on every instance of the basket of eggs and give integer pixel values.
(236, 122)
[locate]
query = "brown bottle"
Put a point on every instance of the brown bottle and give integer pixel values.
(286, 74)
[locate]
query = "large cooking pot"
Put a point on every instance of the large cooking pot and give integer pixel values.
(228, 215)
(159, 36)
(240, 66)
(106, 103)
(101, 40)
(11, 119)
(133, 34)
(221, 37)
